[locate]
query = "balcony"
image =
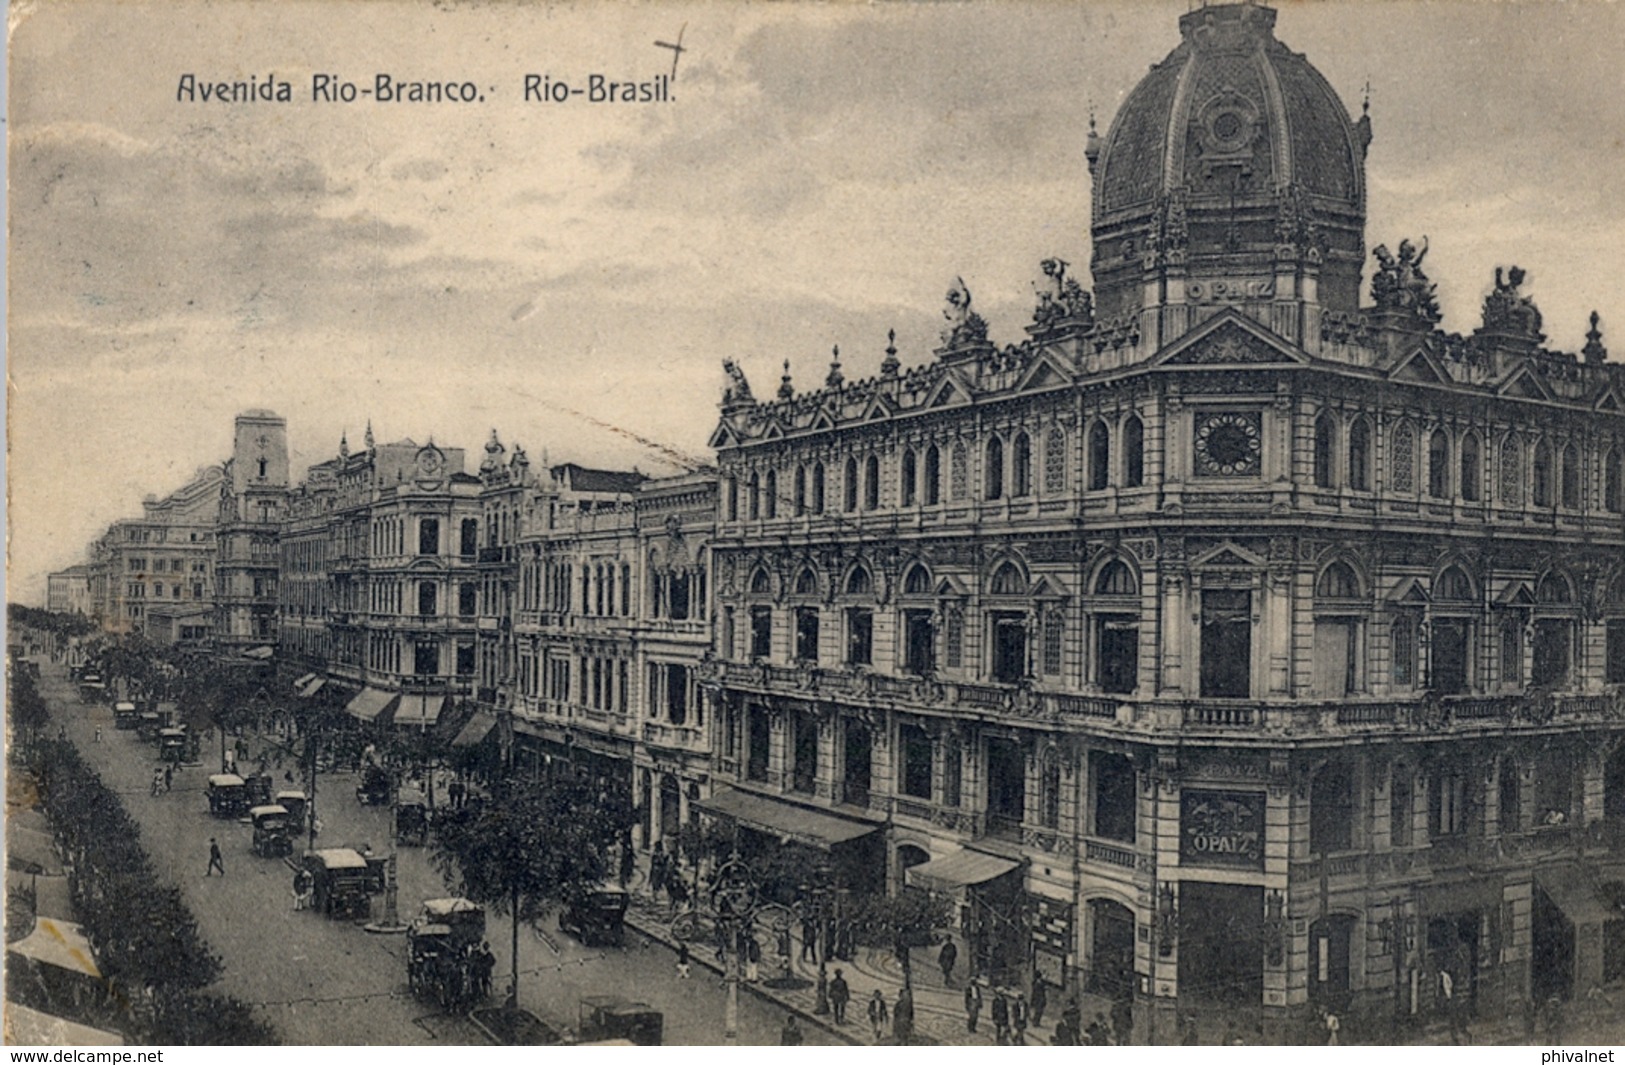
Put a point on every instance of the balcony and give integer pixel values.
(674, 737)
(1106, 852)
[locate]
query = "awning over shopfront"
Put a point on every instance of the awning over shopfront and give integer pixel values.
(31, 1028)
(29, 850)
(1574, 895)
(419, 711)
(260, 653)
(539, 732)
(369, 703)
(58, 943)
(785, 819)
(474, 731)
(309, 690)
(304, 680)
(959, 870)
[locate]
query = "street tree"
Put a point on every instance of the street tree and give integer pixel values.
(900, 922)
(539, 845)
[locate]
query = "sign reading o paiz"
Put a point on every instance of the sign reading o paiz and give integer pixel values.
(1221, 828)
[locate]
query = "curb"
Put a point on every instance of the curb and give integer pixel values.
(639, 925)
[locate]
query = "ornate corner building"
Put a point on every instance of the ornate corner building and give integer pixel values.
(1225, 643)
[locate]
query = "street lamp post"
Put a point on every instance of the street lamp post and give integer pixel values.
(391, 923)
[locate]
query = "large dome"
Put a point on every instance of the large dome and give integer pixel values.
(1252, 147)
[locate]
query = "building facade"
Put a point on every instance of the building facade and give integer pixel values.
(68, 591)
(1227, 643)
(253, 494)
(164, 557)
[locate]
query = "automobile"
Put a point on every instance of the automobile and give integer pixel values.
(228, 796)
(295, 802)
(172, 745)
(466, 919)
(598, 917)
(411, 821)
(124, 715)
(606, 1017)
(341, 883)
(148, 724)
(374, 787)
(259, 788)
(91, 688)
(273, 836)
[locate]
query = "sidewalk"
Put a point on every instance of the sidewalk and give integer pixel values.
(939, 1009)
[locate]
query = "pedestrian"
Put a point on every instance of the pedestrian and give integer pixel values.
(1019, 1016)
(214, 859)
(157, 783)
(169, 776)
(973, 1004)
(1039, 1001)
(1073, 1016)
(677, 890)
(809, 940)
(1098, 1035)
(946, 958)
(629, 860)
(682, 959)
(1001, 1018)
(98, 734)
(657, 870)
(839, 995)
(1063, 1034)
(1332, 1025)
(1187, 1031)
(902, 1018)
(878, 1014)
(298, 891)
(1452, 1008)
(487, 969)
(62, 733)
(791, 1036)
(753, 958)
(1123, 1022)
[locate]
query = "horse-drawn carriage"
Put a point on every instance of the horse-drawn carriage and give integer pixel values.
(447, 961)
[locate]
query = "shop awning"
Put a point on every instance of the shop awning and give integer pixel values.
(31, 1028)
(316, 684)
(1575, 896)
(369, 703)
(58, 943)
(962, 868)
(304, 680)
(261, 653)
(31, 851)
(419, 711)
(540, 732)
(785, 819)
(475, 729)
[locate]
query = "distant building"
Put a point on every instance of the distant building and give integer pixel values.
(165, 557)
(253, 493)
(68, 591)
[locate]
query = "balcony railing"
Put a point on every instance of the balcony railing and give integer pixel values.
(1121, 855)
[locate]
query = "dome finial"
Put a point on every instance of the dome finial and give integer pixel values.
(835, 377)
(1365, 99)
(1091, 146)
(1594, 351)
(888, 365)
(785, 389)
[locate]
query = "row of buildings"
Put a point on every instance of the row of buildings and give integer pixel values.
(1229, 642)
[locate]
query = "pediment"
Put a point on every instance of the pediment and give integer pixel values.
(773, 430)
(723, 436)
(1516, 593)
(880, 409)
(1046, 588)
(1229, 554)
(1042, 374)
(1230, 340)
(822, 420)
(1610, 401)
(1524, 383)
(1409, 592)
(1420, 367)
(952, 587)
(948, 393)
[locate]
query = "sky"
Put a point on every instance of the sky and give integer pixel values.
(572, 275)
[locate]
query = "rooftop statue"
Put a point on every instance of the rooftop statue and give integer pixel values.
(738, 390)
(1506, 310)
(1400, 283)
(1066, 299)
(965, 326)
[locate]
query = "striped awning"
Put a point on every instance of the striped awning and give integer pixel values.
(419, 710)
(777, 817)
(475, 730)
(315, 685)
(961, 869)
(369, 703)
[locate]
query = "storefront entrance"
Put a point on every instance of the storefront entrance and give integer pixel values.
(1453, 946)
(1111, 949)
(1551, 966)
(1221, 956)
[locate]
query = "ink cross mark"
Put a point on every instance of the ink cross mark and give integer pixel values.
(677, 49)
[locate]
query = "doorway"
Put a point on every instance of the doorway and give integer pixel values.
(1221, 952)
(1111, 949)
(1551, 938)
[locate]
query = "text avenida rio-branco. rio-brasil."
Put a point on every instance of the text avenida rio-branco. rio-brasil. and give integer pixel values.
(386, 88)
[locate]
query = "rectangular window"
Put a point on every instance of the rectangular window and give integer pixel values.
(1402, 638)
(1334, 657)
(428, 536)
(1451, 651)
(1447, 803)
(426, 659)
(1009, 646)
(428, 598)
(952, 775)
(806, 750)
(467, 595)
(465, 660)
(761, 631)
(759, 743)
(919, 644)
(727, 632)
(860, 629)
(953, 636)
(1114, 795)
(1615, 667)
(807, 634)
(1227, 644)
(1399, 807)
(1118, 654)
(916, 750)
(1552, 640)
(1054, 640)
(1512, 653)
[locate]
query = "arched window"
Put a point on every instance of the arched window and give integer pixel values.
(1100, 456)
(1007, 580)
(772, 494)
(917, 581)
(1571, 477)
(1133, 452)
(1541, 487)
(801, 490)
(1021, 467)
(818, 488)
(1439, 465)
(959, 473)
(761, 583)
(858, 582)
(733, 499)
(1402, 464)
(907, 483)
(1511, 472)
(1453, 586)
(1611, 474)
(1360, 455)
(1049, 790)
(806, 583)
(755, 501)
(1337, 581)
(1325, 450)
(871, 483)
(1472, 463)
(850, 487)
(1554, 588)
(1116, 579)
(993, 477)
(1055, 461)
(931, 491)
